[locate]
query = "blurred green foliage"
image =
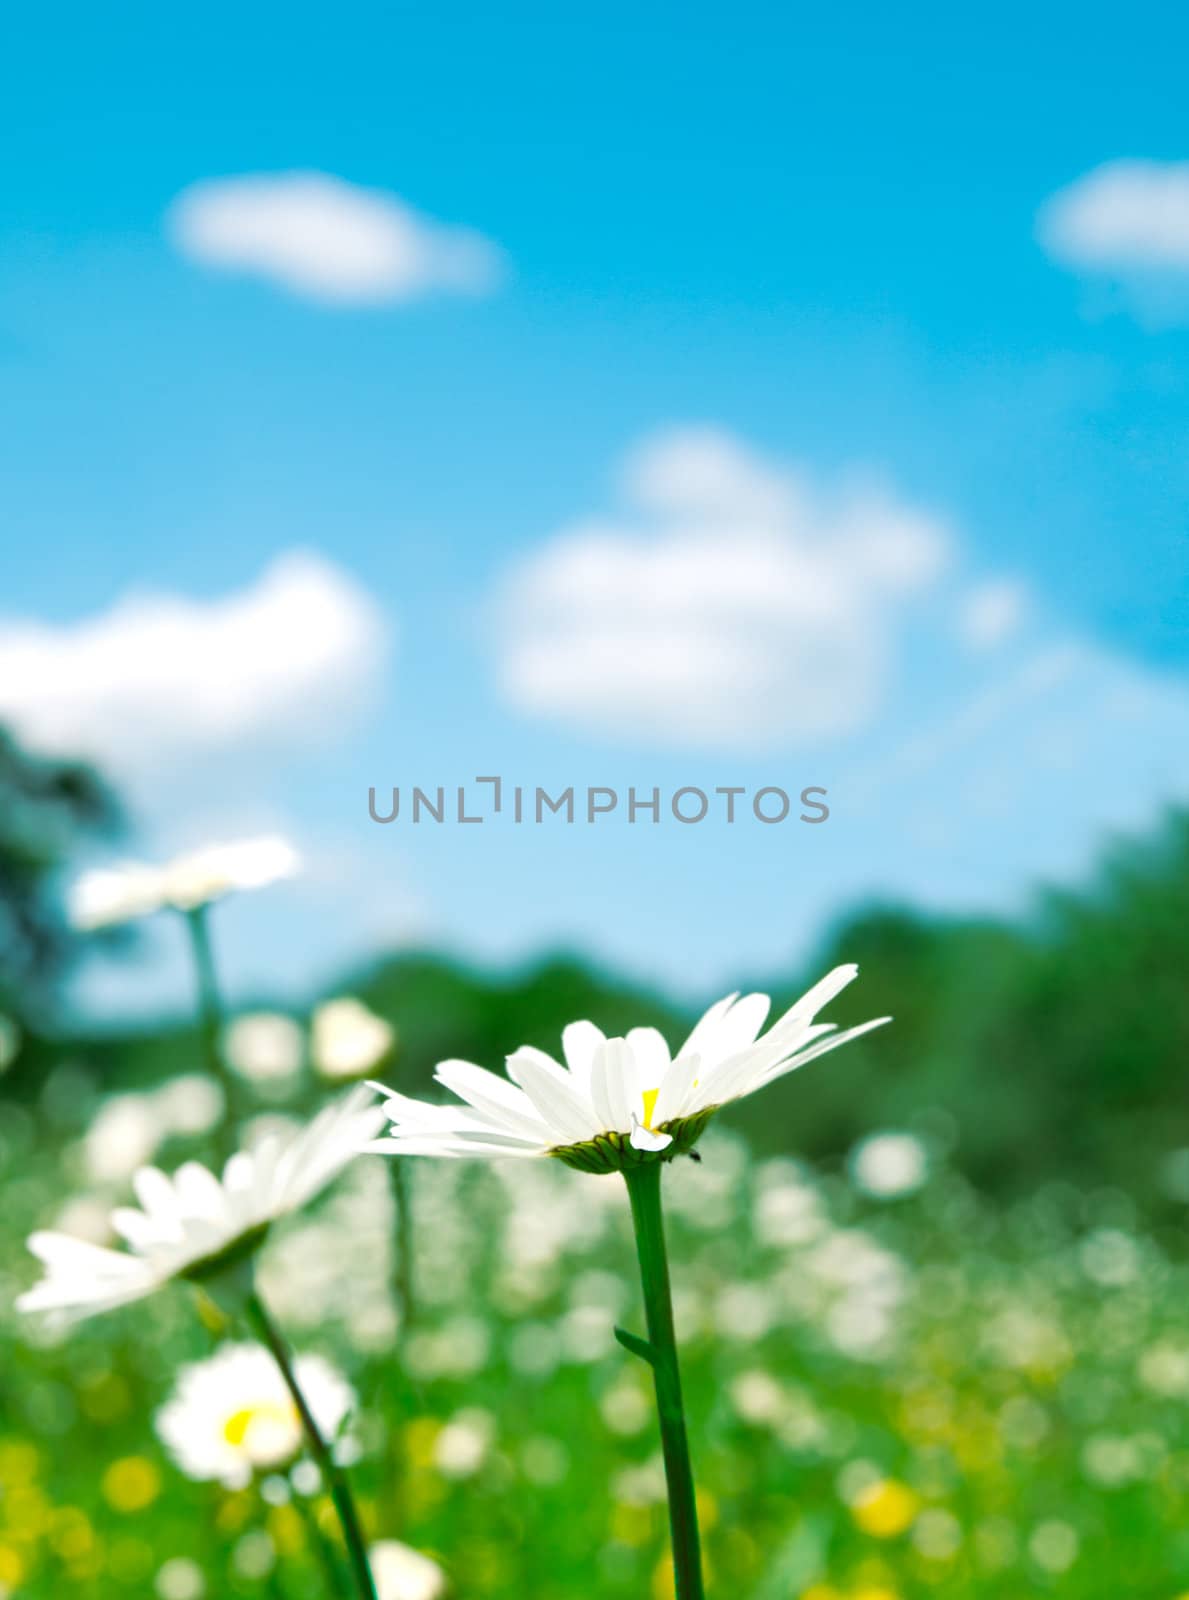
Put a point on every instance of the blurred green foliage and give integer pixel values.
(1040, 1048)
(47, 807)
(978, 1390)
(933, 1395)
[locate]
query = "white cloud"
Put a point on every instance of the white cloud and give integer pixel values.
(1122, 216)
(160, 677)
(325, 239)
(734, 605)
(1124, 227)
(991, 613)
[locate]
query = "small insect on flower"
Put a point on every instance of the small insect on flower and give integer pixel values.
(232, 1416)
(194, 1225)
(108, 896)
(617, 1102)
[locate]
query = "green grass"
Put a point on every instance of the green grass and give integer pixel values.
(938, 1395)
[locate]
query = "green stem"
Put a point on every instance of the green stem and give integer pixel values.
(644, 1192)
(402, 1241)
(211, 1018)
(327, 1559)
(332, 1474)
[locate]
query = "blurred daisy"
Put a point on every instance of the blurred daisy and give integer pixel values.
(111, 895)
(348, 1040)
(617, 1102)
(264, 1046)
(194, 1225)
(232, 1415)
(128, 1129)
(402, 1573)
(190, 1103)
(124, 1134)
(887, 1165)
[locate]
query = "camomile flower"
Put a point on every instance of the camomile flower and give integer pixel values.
(348, 1040)
(124, 1133)
(264, 1046)
(194, 1225)
(110, 895)
(617, 1102)
(888, 1165)
(232, 1415)
(402, 1573)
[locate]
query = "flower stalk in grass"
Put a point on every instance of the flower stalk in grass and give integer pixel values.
(328, 1559)
(205, 1230)
(659, 1350)
(402, 1243)
(211, 1017)
(332, 1474)
(349, 1040)
(627, 1105)
(108, 897)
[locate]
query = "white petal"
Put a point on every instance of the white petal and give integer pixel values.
(642, 1138)
(740, 1074)
(457, 1147)
(742, 1023)
(321, 1152)
(727, 1028)
(675, 1090)
(155, 1193)
(613, 1088)
(579, 1042)
(71, 1302)
(651, 1055)
(200, 1194)
(812, 1001)
(821, 1049)
(83, 1279)
(140, 1231)
(239, 1173)
(565, 1111)
(61, 1252)
(405, 1112)
(504, 1105)
(707, 1026)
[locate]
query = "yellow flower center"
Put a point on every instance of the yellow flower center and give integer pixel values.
(649, 1106)
(235, 1429)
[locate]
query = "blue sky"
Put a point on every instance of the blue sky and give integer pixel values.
(803, 253)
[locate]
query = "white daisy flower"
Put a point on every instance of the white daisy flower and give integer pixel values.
(110, 895)
(348, 1040)
(888, 1165)
(402, 1573)
(194, 1225)
(232, 1415)
(264, 1046)
(124, 1133)
(616, 1102)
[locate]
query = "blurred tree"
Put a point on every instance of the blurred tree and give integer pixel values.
(1040, 1049)
(1047, 1048)
(47, 807)
(442, 1009)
